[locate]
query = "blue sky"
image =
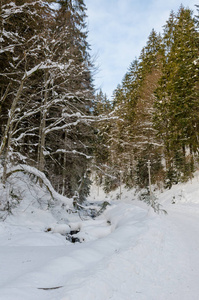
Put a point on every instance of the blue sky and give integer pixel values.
(118, 30)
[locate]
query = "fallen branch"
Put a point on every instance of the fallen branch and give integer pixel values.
(39, 175)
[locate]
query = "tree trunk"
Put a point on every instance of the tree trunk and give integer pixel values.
(6, 157)
(10, 117)
(64, 169)
(42, 134)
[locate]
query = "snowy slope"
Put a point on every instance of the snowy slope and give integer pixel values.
(127, 253)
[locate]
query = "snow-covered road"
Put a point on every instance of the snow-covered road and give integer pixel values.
(132, 255)
(185, 221)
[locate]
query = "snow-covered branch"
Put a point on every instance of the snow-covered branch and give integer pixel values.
(72, 152)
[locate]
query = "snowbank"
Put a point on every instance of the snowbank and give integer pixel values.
(126, 253)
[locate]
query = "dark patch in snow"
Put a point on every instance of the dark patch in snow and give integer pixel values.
(72, 238)
(51, 288)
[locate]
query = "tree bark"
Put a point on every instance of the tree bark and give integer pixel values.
(42, 133)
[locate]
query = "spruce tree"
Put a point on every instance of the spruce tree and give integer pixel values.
(46, 61)
(76, 91)
(133, 140)
(176, 115)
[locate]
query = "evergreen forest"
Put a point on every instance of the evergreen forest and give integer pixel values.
(157, 111)
(54, 120)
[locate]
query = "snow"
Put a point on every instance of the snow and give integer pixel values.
(126, 253)
(33, 70)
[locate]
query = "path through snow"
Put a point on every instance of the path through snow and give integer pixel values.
(185, 221)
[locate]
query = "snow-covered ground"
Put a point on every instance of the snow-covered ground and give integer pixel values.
(127, 253)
